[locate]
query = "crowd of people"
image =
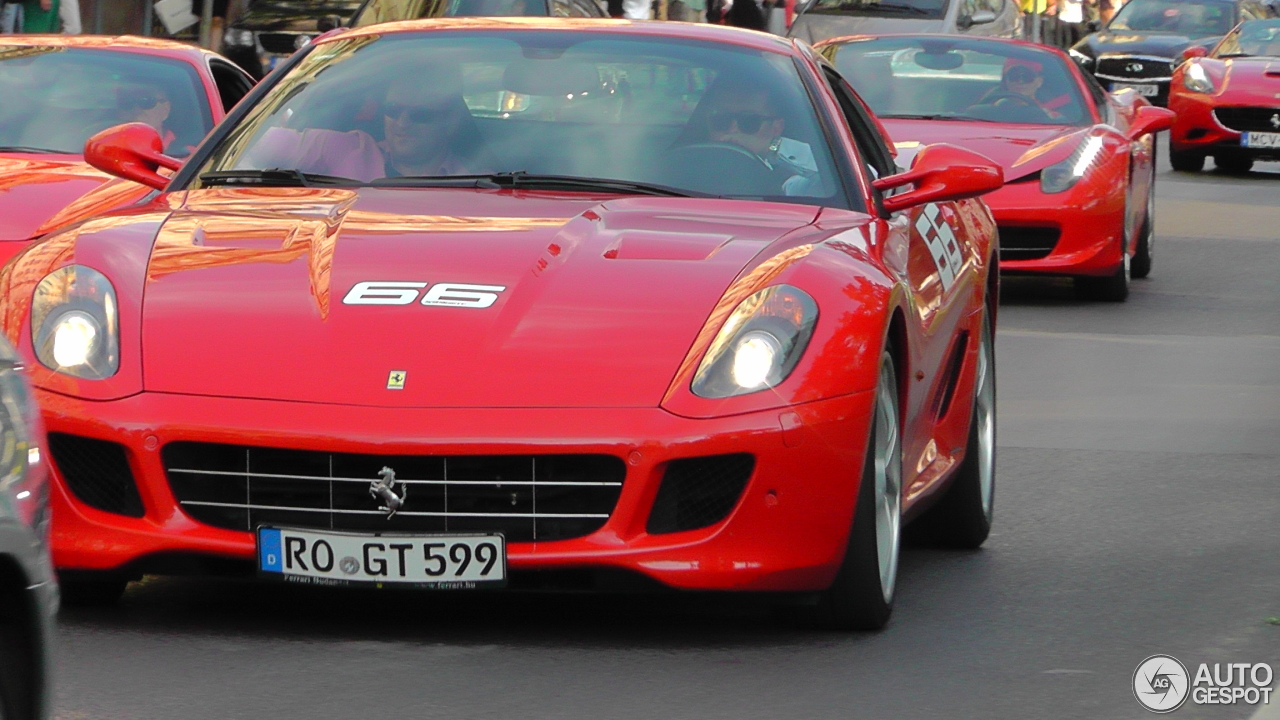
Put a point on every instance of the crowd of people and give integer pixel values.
(1064, 22)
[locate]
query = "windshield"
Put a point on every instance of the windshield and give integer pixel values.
(697, 117)
(1256, 37)
(69, 94)
(923, 9)
(940, 78)
(1192, 19)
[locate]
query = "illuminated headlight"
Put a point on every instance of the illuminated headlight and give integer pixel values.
(75, 323)
(1081, 59)
(22, 485)
(759, 345)
(1060, 177)
(1196, 79)
(238, 38)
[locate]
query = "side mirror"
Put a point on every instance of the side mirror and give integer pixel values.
(942, 172)
(133, 151)
(982, 17)
(1195, 51)
(1094, 25)
(329, 22)
(1150, 119)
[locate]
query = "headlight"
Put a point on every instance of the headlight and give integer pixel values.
(240, 38)
(1060, 177)
(22, 487)
(1081, 59)
(74, 323)
(1196, 79)
(759, 345)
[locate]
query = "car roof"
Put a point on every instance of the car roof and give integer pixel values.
(691, 31)
(123, 43)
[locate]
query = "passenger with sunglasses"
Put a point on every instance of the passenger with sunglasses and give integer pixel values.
(427, 129)
(1019, 87)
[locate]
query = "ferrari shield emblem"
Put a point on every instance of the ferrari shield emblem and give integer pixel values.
(395, 381)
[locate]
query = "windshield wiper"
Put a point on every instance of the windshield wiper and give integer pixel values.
(538, 182)
(27, 149)
(880, 9)
(275, 177)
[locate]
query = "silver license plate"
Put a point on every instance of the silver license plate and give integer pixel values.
(1143, 89)
(1260, 140)
(443, 562)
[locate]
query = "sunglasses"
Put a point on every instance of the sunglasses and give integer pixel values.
(142, 101)
(747, 122)
(1020, 75)
(418, 114)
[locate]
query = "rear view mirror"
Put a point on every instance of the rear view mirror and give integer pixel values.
(1150, 119)
(133, 151)
(942, 172)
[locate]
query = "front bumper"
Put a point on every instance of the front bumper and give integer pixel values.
(786, 533)
(1087, 223)
(1198, 130)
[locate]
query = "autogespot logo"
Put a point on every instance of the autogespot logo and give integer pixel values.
(1161, 683)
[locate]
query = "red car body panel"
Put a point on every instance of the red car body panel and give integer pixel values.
(1245, 82)
(1089, 217)
(232, 330)
(37, 191)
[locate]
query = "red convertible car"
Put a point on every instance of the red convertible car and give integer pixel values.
(1227, 101)
(1079, 162)
(59, 90)
(462, 303)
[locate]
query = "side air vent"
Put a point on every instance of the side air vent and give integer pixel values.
(942, 401)
(699, 492)
(97, 473)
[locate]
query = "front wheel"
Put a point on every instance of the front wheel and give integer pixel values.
(1234, 164)
(1140, 266)
(1186, 161)
(1112, 288)
(92, 591)
(861, 598)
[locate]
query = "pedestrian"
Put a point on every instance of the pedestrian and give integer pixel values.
(745, 14)
(10, 18)
(40, 17)
(69, 13)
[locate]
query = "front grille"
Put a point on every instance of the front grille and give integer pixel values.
(699, 492)
(278, 43)
(1249, 119)
(1027, 243)
(97, 473)
(525, 497)
(1122, 67)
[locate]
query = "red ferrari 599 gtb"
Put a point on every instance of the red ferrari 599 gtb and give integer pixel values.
(454, 304)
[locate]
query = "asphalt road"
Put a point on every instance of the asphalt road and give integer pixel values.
(1138, 512)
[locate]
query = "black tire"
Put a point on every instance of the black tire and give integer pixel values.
(92, 591)
(962, 517)
(1234, 164)
(1112, 288)
(1186, 161)
(1140, 265)
(18, 673)
(858, 598)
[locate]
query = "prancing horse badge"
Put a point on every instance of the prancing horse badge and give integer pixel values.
(395, 381)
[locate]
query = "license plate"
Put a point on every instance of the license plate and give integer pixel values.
(442, 562)
(1260, 140)
(1143, 89)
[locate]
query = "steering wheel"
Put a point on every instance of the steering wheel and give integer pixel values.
(723, 169)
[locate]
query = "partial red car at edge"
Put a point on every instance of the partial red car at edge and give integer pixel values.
(473, 303)
(1227, 101)
(59, 90)
(1079, 162)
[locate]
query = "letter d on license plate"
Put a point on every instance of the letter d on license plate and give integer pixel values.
(425, 561)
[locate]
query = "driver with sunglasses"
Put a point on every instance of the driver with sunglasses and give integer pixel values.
(140, 103)
(427, 129)
(1020, 83)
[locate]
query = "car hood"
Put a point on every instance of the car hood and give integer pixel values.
(33, 188)
(1019, 149)
(1250, 74)
(816, 27)
(601, 297)
(1137, 43)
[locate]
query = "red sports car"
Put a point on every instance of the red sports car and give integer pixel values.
(1079, 162)
(460, 303)
(1228, 102)
(59, 90)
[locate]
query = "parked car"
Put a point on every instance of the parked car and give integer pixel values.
(1226, 101)
(474, 315)
(28, 590)
(60, 90)
(1144, 41)
(823, 19)
(1079, 163)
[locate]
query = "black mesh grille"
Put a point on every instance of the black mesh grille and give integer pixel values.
(1249, 119)
(1135, 68)
(698, 492)
(97, 473)
(1027, 243)
(525, 497)
(278, 43)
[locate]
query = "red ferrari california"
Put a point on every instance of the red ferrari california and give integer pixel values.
(1228, 101)
(1079, 162)
(59, 90)
(459, 304)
